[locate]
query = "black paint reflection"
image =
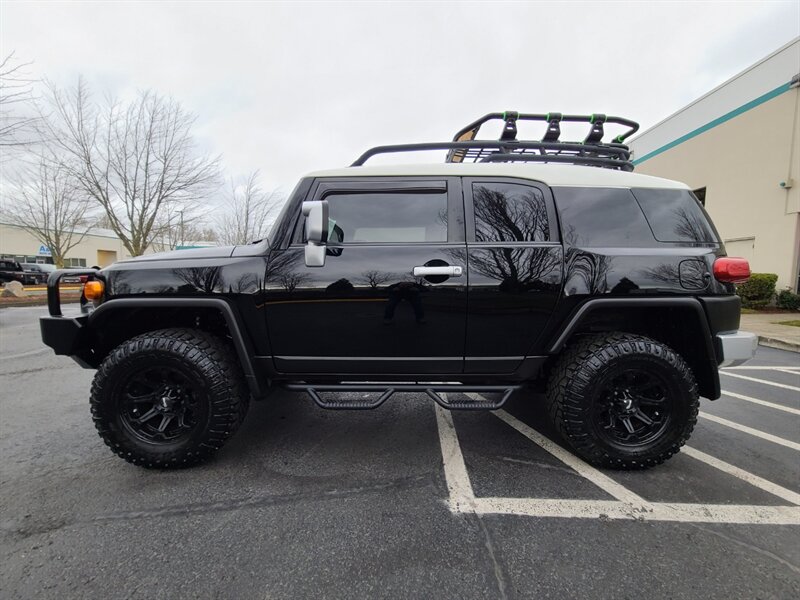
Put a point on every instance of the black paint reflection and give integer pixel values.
(366, 308)
(205, 280)
(409, 291)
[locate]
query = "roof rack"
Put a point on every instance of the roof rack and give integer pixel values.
(591, 151)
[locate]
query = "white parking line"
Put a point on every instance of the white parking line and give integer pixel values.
(601, 480)
(788, 409)
(455, 470)
(764, 381)
(754, 432)
(789, 370)
(653, 511)
(754, 480)
(462, 498)
(764, 368)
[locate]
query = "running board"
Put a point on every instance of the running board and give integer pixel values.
(387, 390)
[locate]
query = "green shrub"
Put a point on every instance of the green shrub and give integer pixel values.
(757, 291)
(788, 300)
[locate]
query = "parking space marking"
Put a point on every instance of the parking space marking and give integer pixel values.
(754, 432)
(788, 409)
(462, 497)
(792, 370)
(601, 480)
(744, 514)
(764, 381)
(754, 480)
(455, 470)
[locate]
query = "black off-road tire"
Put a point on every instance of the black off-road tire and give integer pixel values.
(208, 360)
(572, 392)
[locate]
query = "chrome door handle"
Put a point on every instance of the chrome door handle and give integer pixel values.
(449, 271)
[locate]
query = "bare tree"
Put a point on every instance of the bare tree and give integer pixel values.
(374, 278)
(248, 208)
(45, 202)
(17, 114)
(136, 160)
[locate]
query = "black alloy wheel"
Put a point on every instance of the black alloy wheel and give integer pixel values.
(622, 401)
(632, 407)
(169, 398)
(161, 404)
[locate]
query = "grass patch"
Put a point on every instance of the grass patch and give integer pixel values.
(748, 311)
(792, 323)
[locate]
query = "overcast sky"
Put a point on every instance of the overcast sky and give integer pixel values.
(290, 88)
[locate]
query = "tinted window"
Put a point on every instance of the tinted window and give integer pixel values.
(509, 212)
(387, 217)
(674, 216)
(601, 217)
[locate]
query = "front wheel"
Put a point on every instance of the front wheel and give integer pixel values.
(168, 398)
(623, 401)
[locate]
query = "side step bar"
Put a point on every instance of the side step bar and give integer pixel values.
(386, 390)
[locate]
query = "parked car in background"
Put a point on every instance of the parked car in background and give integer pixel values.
(11, 270)
(74, 278)
(36, 273)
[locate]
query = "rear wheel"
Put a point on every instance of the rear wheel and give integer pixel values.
(168, 398)
(623, 401)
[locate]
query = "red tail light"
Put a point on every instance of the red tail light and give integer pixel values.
(731, 270)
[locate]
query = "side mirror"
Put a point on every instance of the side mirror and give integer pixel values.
(316, 214)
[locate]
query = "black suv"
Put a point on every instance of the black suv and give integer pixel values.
(492, 271)
(11, 270)
(37, 273)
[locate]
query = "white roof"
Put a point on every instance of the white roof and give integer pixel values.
(549, 174)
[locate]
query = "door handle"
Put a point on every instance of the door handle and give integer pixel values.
(446, 270)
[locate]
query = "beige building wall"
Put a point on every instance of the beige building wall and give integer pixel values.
(742, 163)
(96, 249)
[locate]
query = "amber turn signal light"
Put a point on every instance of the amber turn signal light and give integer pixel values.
(93, 290)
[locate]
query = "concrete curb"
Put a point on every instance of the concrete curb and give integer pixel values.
(780, 344)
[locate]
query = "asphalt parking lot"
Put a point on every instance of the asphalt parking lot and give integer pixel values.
(404, 502)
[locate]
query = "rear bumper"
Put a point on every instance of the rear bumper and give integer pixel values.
(736, 347)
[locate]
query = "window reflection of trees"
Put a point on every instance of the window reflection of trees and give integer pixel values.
(500, 216)
(690, 226)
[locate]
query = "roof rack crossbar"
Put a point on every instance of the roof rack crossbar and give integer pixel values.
(616, 154)
(613, 163)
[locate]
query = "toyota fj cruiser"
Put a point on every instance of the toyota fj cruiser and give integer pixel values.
(512, 266)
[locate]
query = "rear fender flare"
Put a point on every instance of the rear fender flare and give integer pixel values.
(706, 370)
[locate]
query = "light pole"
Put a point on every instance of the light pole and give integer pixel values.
(181, 229)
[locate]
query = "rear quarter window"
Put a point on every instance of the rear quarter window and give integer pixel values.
(675, 216)
(601, 218)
